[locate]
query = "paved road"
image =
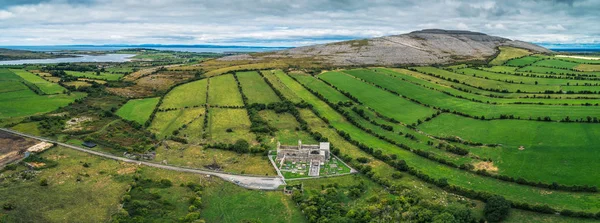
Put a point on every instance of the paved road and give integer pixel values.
(250, 182)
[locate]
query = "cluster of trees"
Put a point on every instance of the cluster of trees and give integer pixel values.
(142, 204)
(328, 205)
(240, 146)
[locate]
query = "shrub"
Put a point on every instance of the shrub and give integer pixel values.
(43, 182)
(496, 209)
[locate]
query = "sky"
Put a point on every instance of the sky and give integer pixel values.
(287, 23)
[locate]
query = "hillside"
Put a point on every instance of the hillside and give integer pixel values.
(431, 46)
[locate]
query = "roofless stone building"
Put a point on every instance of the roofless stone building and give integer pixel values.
(316, 155)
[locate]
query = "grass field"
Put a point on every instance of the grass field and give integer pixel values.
(557, 199)
(198, 157)
(289, 94)
(186, 95)
(287, 129)
(44, 85)
(138, 110)
(74, 193)
(223, 91)
(221, 120)
(92, 75)
(569, 162)
(319, 86)
(165, 123)
(384, 102)
(555, 63)
(26, 103)
(194, 132)
(523, 61)
(507, 53)
(231, 204)
(255, 88)
(588, 67)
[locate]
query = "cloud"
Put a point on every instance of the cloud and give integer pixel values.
(557, 27)
(462, 26)
(281, 22)
(495, 26)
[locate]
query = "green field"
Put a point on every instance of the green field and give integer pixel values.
(26, 103)
(384, 102)
(319, 86)
(223, 91)
(44, 85)
(555, 63)
(522, 61)
(255, 88)
(570, 162)
(138, 110)
(229, 125)
(507, 53)
(557, 199)
(165, 123)
(287, 129)
(272, 77)
(93, 75)
(231, 204)
(186, 95)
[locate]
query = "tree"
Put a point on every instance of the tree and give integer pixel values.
(241, 146)
(496, 209)
(444, 218)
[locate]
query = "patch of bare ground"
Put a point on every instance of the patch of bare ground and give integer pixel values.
(13, 147)
(76, 124)
(487, 166)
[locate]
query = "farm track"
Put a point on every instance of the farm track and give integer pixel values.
(249, 182)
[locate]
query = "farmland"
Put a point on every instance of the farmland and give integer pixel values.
(255, 88)
(223, 91)
(187, 95)
(138, 110)
(427, 141)
(94, 75)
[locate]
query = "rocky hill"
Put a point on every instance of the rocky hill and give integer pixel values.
(431, 46)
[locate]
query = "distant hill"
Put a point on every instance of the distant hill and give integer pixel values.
(7, 54)
(430, 46)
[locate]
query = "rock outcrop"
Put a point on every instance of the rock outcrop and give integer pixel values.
(432, 46)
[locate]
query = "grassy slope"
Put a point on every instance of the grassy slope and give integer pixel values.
(223, 91)
(186, 95)
(237, 120)
(580, 201)
(547, 156)
(386, 103)
(507, 53)
(165, 123)
(103, 76)
(230, 204)
(138, 110)
(255, 88)
(44, 85)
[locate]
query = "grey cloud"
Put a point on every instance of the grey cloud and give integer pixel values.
(285, 22)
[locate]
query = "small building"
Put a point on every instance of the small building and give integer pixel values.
(89, 144)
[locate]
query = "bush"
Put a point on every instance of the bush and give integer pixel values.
(241, 146)
(165, 183)
(8, 206)
(496, 209)
(362, 159)
(44, 182)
